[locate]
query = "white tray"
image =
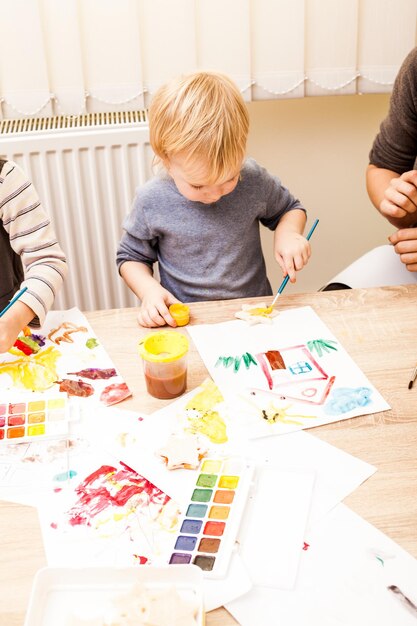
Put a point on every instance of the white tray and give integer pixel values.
(57, 592)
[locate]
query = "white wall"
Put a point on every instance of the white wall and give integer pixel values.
(319, 149)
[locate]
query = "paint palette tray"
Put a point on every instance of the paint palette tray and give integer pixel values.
(208, 530)
(76, 596)
(33, 416)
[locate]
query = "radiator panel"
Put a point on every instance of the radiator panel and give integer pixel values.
(86, 179)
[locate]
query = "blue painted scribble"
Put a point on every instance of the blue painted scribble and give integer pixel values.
(301, 367)
(65, 475)
(347, 399)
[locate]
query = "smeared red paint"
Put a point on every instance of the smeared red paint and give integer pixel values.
(115, 393)
(109, 486)
(95, 373)
(327, 390)
(54, 525)
(264, 367)
(23, 347)
(57, 489)
(141, 559)
(76, 388)
(306, 546)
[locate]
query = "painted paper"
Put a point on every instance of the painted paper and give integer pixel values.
(68, 358)
(288, 375)
(103, 512)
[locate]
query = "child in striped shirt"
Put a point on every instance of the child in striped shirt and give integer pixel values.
(30, 255)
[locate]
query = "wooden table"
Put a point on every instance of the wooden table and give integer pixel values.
(378, 327)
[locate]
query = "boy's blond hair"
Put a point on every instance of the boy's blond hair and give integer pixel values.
(204, 116)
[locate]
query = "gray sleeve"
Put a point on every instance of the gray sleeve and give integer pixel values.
(279, 200)
(395, 146)
(137, 242)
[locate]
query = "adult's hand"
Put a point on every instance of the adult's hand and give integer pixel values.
(405, 244)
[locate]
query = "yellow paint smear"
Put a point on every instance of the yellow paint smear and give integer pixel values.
(207, 398)
(36, 372)
(209, 424)
(260, 312)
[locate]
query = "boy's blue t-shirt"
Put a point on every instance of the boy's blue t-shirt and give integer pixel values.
(206, 251)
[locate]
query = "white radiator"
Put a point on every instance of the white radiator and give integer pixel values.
(86, 170)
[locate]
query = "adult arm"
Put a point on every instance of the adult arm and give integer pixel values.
(391, 178)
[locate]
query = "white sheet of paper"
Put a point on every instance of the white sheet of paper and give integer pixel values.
(273, 528)
(343, 580)
(235, 585)
(28, 469)
(318, 384)
(337, 473)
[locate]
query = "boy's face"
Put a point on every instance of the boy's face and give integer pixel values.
(190, 180)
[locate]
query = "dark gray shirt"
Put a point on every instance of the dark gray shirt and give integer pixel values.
(206, 251)
(395, 146)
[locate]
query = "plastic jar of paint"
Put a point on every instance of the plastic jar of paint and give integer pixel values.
(164, 357)
(181, 313)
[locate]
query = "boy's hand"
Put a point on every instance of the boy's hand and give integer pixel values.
(12, 323)
(292, 252)
(405, 244)
(7, 337)
(154, 308)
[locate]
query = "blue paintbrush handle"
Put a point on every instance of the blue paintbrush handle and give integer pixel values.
(312, 229)
(283, 284)
(13, 300)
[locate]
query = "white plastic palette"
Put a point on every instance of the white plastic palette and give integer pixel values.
(32, 416)
(58, 592)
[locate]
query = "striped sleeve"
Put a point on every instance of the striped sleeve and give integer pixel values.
(33, 238)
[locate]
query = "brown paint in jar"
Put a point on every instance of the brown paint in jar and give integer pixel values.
(164, 357)
(166, 387)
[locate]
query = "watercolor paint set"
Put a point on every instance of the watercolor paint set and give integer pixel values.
(208, 530)
(34, 416)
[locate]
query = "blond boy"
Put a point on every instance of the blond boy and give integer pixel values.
(199, 217)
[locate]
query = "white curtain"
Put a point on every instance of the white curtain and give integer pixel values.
(68, 57)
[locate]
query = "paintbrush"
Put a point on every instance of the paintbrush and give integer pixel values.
(13, 300)
(287, 278)
(406, 601)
